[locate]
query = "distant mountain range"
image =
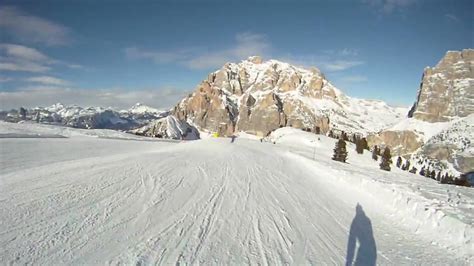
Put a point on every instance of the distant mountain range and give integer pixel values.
(90, 117)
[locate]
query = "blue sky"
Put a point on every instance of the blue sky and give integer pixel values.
(115, 53)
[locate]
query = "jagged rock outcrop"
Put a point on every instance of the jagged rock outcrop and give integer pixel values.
(259, 96)
(446, 90)
(169, 128)
(401, 142)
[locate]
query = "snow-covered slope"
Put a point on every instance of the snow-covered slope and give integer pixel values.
(105, 201)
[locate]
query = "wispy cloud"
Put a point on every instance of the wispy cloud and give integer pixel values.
(388, 6)
(452, 17)
(355, 79)
(23, 66)
(48, 80)
(5, 79)
(339, 65)
(31, 28)
(32, 96)
(245, 45)
(328, 60)
(14, 57)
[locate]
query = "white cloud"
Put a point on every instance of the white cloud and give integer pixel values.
(355, 79)
(14, 57)
(452, 17)
(33, 96)
(327, 63)
(157, 57)
(339, 65)
(5, 79)
(246, 44)
(31, 28)
(23, 52)
(23, 66)
(47, 80)
(388, 6)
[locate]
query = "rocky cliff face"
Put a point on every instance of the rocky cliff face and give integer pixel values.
(438, 124)
(447, 90)
(257, 97)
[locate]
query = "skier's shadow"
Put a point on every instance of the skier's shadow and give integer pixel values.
(361, 231)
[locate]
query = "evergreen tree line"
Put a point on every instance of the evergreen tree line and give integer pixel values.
(340, 154)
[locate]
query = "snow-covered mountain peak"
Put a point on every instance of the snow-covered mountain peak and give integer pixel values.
(140, 108)
(259, 96)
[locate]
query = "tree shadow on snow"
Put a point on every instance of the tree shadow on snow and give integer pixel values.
(361, 232)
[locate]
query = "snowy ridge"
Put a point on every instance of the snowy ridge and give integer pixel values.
(29, 129)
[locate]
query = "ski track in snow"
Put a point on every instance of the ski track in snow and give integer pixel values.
(206, 202)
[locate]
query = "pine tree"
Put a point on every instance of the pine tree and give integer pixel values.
(422, 171)
(340, 152)
(317, 130)
(359, 147)
(23, 113)
(330, 134)
(354, 138)
(399, 161)
(406, 166)
(344, 136)
(386, 160)
(365, 145)
(433, 175)
(374, 153)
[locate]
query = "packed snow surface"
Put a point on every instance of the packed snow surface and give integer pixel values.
(89, 200)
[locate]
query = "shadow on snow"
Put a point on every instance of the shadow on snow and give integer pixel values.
(361, 232)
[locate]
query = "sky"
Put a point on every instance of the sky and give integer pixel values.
(117, 53)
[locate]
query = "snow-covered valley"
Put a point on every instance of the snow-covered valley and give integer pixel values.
(100, 196)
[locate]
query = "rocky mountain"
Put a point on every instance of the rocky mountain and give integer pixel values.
(257, 96)
(439, 125)
(90, 117)
(446, 91)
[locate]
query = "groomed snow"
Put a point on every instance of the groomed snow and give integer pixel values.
(88, 200)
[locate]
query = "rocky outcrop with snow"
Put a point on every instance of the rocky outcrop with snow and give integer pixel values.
(170, 128)
(439, 125)
(447, 90)
(258, 96)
